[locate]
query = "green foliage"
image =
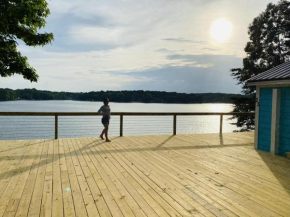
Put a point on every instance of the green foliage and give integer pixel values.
(118, 96)
(244, 104)
(268, 47)
(7, 94)
(33, 94)
(21, 19)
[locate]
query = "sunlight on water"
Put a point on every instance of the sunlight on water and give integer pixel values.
(217, 107)
(18, 127)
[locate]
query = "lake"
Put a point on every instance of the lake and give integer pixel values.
(21, 127)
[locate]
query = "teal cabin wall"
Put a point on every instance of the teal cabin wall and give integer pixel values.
(284, 127)
(265, 119)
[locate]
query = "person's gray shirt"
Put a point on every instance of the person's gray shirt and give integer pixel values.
(105, 110)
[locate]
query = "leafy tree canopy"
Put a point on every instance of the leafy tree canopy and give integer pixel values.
(21, 19)
(268, 47)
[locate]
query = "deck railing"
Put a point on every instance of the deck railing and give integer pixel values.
(122, 114)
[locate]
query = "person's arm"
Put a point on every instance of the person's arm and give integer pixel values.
(100, 110)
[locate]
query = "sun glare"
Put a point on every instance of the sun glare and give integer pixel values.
(221, 30)
(217, 108)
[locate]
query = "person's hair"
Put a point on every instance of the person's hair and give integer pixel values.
(106, 100)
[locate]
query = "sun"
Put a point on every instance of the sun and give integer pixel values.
(221, 30)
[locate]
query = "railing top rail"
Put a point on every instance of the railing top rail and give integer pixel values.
(123, 113)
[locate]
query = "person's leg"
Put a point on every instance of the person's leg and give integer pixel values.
(106, 132)
(103, 132)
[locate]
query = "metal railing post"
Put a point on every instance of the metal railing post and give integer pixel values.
(174, 124)
(56, 127)
(121, 125)
(221, 124)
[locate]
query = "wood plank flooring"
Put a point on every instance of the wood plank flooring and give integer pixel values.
(183, 175)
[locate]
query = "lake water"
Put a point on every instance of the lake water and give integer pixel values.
(22, 127)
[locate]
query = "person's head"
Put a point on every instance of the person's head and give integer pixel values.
(106, 101)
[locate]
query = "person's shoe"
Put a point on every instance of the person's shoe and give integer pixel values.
(107, 140)
(101, 137)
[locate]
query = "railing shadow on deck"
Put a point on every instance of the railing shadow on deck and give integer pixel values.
(162, 143)
(27, 145)
(50, 158)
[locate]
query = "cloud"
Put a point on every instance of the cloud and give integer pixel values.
(210, 49)
(76, 81)
(165, 50)
(91, 35)
(149, 44)
(184, 40)
(203, 59)
(190, 79)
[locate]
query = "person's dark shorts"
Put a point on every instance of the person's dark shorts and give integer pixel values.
(105, 120)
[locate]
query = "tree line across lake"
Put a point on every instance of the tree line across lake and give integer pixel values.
(119, 96)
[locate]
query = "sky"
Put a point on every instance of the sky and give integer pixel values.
(186, 46)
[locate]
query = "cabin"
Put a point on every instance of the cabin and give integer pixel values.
(272, 123)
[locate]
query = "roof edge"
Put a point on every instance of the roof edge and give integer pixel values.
(269, 83)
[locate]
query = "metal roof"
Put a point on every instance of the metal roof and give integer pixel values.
(280, 72)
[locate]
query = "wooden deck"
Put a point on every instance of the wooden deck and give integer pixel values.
(183, 175)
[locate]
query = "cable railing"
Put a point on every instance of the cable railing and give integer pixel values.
(71, 124)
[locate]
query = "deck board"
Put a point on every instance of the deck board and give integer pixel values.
(183, 175)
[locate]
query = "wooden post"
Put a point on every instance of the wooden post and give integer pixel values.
(257, 108)
(221, 124)
(275, 123)
(121, 125)
(56, 127)
(174, 124)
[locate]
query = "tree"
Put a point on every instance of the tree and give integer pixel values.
(7, 94)
(21, 20)
(268, 47)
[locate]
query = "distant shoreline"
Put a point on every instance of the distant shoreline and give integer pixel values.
(126, 96)
(111, 101)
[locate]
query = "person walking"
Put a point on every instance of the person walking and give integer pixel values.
(106, 112)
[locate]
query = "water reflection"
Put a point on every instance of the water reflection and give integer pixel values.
(78, 126)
